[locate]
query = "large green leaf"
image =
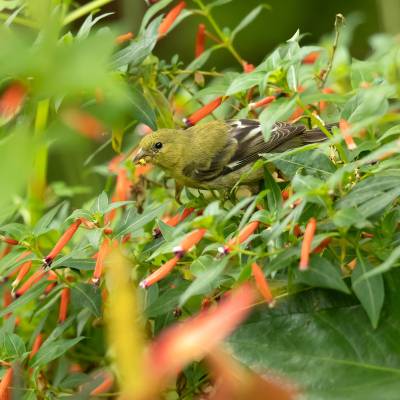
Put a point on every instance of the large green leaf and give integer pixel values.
(325, 343)
(370, 291)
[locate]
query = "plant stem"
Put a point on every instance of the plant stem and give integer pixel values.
(85, 9)
(37, 185)
(339, 21)
(226, 42)
(19, 20)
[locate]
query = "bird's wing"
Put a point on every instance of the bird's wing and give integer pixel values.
(251, 143)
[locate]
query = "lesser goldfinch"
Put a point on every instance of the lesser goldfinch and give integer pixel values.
(215, 155)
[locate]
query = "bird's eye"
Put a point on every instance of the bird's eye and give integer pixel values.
(158, 145)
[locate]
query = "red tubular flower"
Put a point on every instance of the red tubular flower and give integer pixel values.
(311, 57)
(84, 123)
(322, 246)
(200, 40)
(306, 245)
(170, 19)
(345, 127)
(297, 230)
(142, 170)
(189, 241)
(262, 284)
(262, 102)
(247, 231)
(159, 273)
(105, 386)
(36, 345)
(203, 112)
(9, 240)
(11, 101)
(195, 337)
(124, 38)
(63, 310)
(62, 242)
(101, 256)
(352, 264)
(247, 67)
(23, 270)
(176, 219)
(5, 385)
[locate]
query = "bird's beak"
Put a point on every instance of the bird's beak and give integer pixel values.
(141, 157)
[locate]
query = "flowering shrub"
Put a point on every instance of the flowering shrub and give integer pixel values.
(131, 294)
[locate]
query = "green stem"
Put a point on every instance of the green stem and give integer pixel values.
(225, 40)
(37, 184)
(85, 9)
(19, 20)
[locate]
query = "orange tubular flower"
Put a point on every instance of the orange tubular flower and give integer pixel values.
(174, 220)
(306, 245)
(311, 57)
(203, 112)
(188, 242)
(84, 123)
(34, 278)
(345, 127)
(51, 276)
(11, 101)
(123, 186)
(262, 102)
(262, 284)
(170, 19)
(104, 386)
(7, 299)
(195, 337)
(65, 296)
(36, 345)
(124, 38)
(5, 385)
(62, 242)
(160, 273)
(101, 256)
(22, 269)
(323, 104)
(247, 231)
(200, 40)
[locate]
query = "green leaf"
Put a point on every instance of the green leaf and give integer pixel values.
(132, 221)
(52, 350)
(245, 82)
(140, 108)
(100, 205)
(11, 346)
(140, 48)
(247, 20)
(323, 342)
(384, 267)
(274, 195)
(43, 225)
(321, 273)
(88, 296)
(26, 298)
(370, 291)
(205, 281)
(152, 11)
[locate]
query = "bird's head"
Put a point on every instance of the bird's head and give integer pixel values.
(161, 147)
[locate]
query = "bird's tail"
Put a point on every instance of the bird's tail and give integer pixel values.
(316, 135)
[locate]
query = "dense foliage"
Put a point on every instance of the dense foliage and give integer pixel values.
(71, 327)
